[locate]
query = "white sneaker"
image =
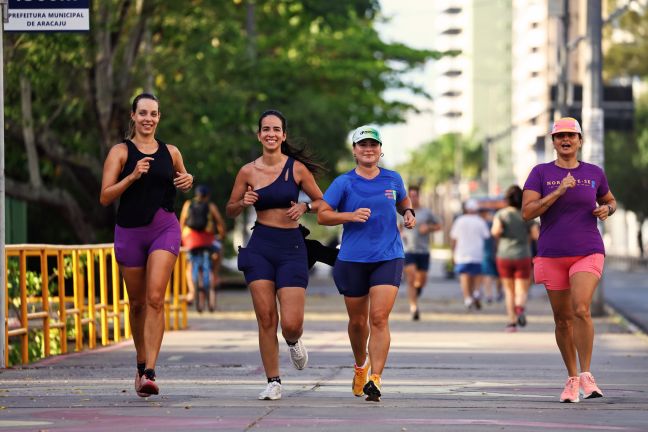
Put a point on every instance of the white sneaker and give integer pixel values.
(298, 355)
(271, 392)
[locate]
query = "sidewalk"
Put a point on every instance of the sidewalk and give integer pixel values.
(452, 371)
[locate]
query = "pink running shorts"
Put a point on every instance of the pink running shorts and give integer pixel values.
(554, 273)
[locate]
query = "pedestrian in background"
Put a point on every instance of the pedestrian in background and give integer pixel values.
(369, 266)
(144, 173)
(203, 230)
(416, 243)
(275, 261)
(570, 195)
(514, 236)
(489, 280)
(467, 236)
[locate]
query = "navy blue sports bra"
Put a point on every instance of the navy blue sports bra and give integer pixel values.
(280, 192)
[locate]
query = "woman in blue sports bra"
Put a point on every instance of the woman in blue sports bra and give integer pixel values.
(275, 260)
(370, 263)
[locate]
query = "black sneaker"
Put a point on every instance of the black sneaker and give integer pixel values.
(521, 320)
(372, 389)
(416, 316)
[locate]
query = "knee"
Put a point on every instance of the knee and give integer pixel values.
(155, 301)
(563, 322)
(582, 312)
(267, 322)
(379, 321)
(292, 327)
(358, 324)
(137, 307)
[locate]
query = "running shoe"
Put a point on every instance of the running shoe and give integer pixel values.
(372, 388)
(148, 387)
(298, 355)
(521, 317)
(138, 386)
(570, 393)
(360, 378)
(510, 328)
(271, 392)
(416, 315)
(589, 389)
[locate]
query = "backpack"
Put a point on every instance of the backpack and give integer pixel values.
(198, 215)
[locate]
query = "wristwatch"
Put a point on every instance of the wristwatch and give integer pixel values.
(410, 209)
(308, 207)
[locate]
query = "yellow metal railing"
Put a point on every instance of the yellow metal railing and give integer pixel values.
(91, 299)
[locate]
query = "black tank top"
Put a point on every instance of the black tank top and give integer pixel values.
(280, 192)
(152, 191)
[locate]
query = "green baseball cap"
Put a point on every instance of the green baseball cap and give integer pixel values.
(366, 132)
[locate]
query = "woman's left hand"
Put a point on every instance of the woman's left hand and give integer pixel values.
(409, 220)
(602, 212)
(296, 210)
(183, 181)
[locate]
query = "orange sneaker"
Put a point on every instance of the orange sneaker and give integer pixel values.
(372, 388)
(570, 393)
(360, 378)
(588, 386)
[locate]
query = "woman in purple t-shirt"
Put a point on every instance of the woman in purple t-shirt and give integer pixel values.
(569, 196)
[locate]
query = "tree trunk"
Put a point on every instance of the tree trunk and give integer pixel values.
(28, 132)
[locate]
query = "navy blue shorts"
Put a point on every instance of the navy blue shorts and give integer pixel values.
(275, 254)
(353, 279)
(473, 269)
(421, 260)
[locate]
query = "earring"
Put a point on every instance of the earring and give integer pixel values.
(382, 154)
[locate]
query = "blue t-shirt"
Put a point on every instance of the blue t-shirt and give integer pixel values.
(378, 238)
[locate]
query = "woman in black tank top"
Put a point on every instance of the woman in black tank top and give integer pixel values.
(275, 261)
(143, 173)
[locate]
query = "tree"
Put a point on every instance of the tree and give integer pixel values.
(215, 65)
(451, 156)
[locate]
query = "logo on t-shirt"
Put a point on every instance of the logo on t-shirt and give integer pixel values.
(390, 194)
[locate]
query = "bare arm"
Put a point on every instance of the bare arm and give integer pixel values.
(184, 213)
(304, 177)
(111, 189)
(183, 180)
(327, 216)
(497, 229)
(533, 204)
(220, 223)
(607, 206)
(242, 195)
(409, 220)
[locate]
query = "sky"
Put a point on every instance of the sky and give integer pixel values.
(410, 24)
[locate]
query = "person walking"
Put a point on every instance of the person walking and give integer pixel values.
(274, 261)
(570, 195)
(416, 243)
(203, 229)
(513, 258)
(144, 173)
(467, 236)
(369, 266)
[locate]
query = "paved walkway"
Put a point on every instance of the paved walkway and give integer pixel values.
(452, 371)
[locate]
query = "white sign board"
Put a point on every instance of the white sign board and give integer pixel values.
(48, 16)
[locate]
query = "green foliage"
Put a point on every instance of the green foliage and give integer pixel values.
(629, 56)
(436, 161)
(626, 163)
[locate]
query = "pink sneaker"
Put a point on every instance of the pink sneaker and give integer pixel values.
(588, 386)
(138, 386)
(147, 387)
(570, 394)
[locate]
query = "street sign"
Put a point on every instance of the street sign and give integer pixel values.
(48, 16)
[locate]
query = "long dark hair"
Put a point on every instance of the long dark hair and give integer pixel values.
(302, 154)
(514, 196)
(131, 125)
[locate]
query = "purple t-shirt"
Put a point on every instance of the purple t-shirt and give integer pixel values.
(568, 227)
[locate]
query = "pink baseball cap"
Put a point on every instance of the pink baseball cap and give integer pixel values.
(566, 124)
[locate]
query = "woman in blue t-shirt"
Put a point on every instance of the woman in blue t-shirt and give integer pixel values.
(370, 263)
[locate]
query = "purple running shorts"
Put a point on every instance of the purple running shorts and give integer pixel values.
(134, 245)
